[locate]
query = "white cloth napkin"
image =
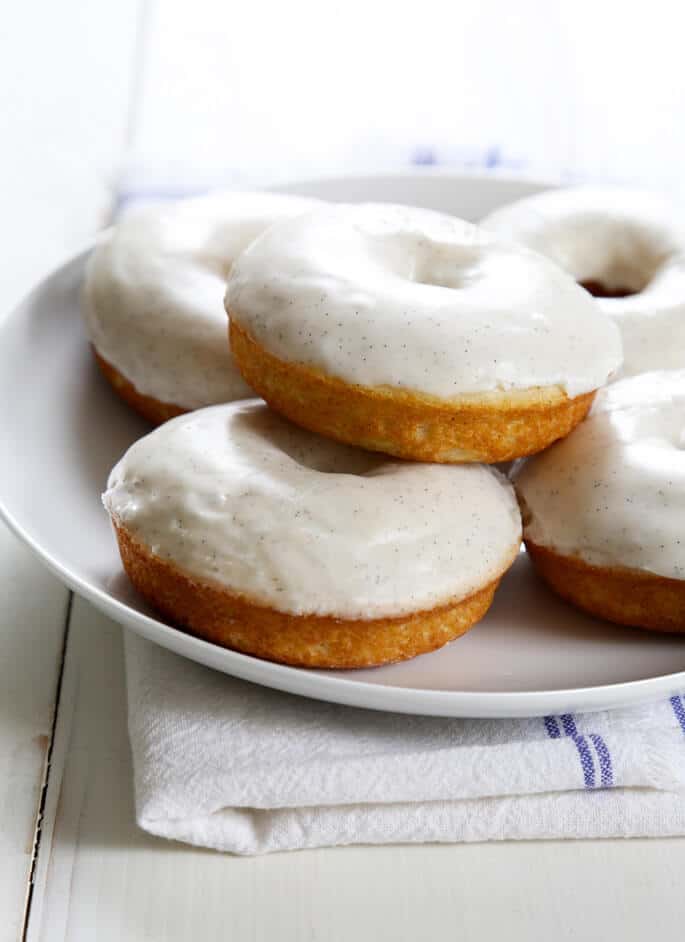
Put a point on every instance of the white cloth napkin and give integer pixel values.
(226, 764)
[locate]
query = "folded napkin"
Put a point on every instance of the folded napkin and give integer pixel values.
(226, 764)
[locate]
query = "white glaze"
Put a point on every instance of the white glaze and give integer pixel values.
(403, 297)
(236, 495)
(153, 296)
(621, 239)
(613, 492)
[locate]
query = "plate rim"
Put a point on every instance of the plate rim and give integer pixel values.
(318, 685)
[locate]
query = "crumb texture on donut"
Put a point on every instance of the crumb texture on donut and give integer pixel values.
(224, 618)
(490, 427)
(150, 408)
(625, 596)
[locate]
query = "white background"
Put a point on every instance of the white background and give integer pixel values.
(589, 87)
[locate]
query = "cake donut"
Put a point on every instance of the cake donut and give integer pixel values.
(625, 249)
(153, 298)
(414, 333)
(263, 537)
(604, 510)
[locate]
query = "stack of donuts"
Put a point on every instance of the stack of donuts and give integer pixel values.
(334, 386)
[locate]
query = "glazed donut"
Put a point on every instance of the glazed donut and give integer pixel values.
(622, 246)
(604, 510)
(153, 298)
(259, 536)
(414, 333)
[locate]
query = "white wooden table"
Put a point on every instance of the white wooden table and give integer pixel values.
(73, 865)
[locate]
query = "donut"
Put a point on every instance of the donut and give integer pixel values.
(604, 510)
(413, 333)
(622, 246)
(152, 298)
(260, 536)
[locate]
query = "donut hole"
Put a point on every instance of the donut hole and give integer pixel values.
(279, 439)
(329, 457)
(422, 260)
(629, 270)
(623, 277)
(441, 267)
(599, 289)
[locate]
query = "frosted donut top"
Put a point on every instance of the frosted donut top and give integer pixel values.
(237, 496)
(153, 297)
(613, 492)
(622, 241)
(384, 295)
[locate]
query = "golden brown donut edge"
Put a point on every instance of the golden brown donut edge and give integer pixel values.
(223, 617)
(489, 427)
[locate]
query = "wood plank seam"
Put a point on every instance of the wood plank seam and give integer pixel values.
(45, 779)
(136, 66)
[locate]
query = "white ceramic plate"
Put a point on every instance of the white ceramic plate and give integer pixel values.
(63, 429)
